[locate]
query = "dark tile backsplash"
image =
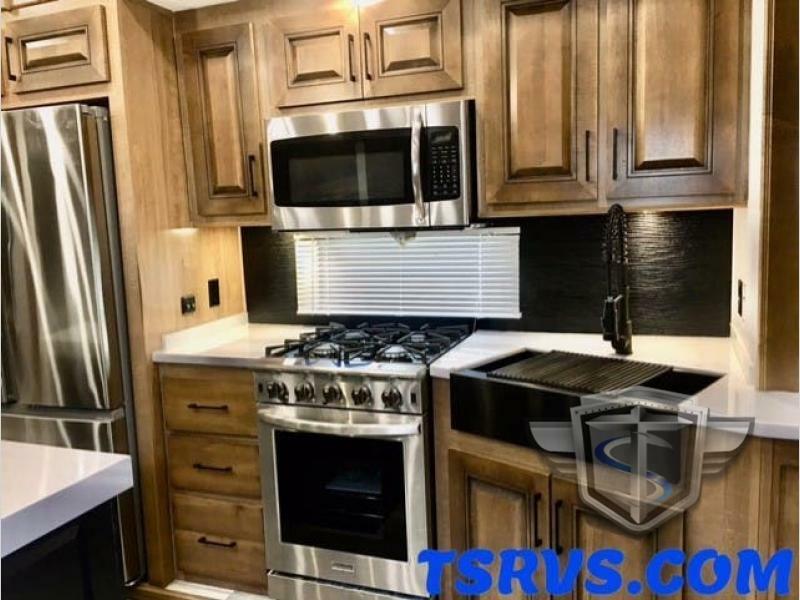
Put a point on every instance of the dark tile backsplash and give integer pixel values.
(680, 274)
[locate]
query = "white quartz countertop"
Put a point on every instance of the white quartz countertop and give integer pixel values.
(236, 343)
(44, 487)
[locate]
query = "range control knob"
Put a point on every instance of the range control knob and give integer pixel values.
(277, 390)
(392, 398)
(362, 395)
(304, 392)
(331, 394)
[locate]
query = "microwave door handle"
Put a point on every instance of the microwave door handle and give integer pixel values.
(416, 168)
(367, 430)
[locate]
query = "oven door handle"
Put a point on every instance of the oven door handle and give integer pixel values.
(416, 167)
(368, 430)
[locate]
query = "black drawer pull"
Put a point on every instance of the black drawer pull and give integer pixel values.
(559, 548)
(208, 542)
(537, 541)
(202, 467)
(219, 407)
(588, 165)
(614, 173)
(251, 175)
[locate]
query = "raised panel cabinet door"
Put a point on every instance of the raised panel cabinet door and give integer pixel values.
(223, 126)
(782, 526)
(672, 90)
(576, 526)
(497, 506)
(60, 49)
(411, 46)
(537, 99)
(314, 57)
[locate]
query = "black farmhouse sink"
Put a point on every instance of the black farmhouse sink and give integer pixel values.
(500, 398)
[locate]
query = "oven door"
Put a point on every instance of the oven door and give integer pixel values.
(349, 170)
(345, 496)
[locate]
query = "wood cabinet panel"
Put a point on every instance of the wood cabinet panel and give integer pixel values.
(60, 49)
(209, 401)
(781, 496)
(670, 97)
(215, 465)
(237, 519)
(538, 89)
(576, 526)
(673, 125)
(314, 58)
(222, 122)
(220, 559)
(484, 493)
(411, 46)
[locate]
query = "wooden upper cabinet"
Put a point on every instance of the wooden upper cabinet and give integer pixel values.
(222, 122)
(60, 49)
(411, 46)
(537, 95)
(672, 90)
(314, 58)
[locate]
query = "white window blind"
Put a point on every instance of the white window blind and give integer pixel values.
(470, 273)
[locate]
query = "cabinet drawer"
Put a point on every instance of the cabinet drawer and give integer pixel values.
(208, 464)
(220, 558)
(60, 49)
(209, 401)
(222, 518)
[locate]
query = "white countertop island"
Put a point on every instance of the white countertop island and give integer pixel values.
(44, 487)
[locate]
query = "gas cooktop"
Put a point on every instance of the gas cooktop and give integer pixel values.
(339, 345)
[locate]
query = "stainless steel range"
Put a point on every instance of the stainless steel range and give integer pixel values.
(345, 447)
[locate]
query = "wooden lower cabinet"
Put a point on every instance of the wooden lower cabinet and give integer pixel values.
(217, 539)
(495, 495)
(213, 469)
(779, 525)
(497, 506)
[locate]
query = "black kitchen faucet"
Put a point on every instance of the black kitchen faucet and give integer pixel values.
(617, 327)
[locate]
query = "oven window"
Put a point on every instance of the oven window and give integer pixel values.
(360, 168)
(344, 494)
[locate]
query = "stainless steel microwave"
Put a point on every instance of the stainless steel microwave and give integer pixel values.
(379, 168)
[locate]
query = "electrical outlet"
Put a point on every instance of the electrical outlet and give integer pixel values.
(740, 298)
(188, 304)
(213, 293)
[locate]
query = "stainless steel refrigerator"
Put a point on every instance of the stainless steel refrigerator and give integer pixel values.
(65, 364)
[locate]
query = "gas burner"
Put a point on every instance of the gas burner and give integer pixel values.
(398, 353)
(325, 350)
(380, 342)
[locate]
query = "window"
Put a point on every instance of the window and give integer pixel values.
(469, 273)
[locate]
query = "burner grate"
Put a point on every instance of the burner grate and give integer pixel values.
(580, 373)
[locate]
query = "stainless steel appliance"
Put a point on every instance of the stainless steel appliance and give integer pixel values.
(345, 448)
(65, 369)
(397, 167)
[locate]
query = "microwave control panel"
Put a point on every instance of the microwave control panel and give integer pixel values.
(442, 178)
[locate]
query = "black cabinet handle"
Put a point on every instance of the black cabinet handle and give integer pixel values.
(557, 527)
(537, 541)
(367, 57)
(614, 154)
(350, 43)
(586, 155)
(208, 542)
(9, 42)
(219, 407)
(251, 162)
(202, 467)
